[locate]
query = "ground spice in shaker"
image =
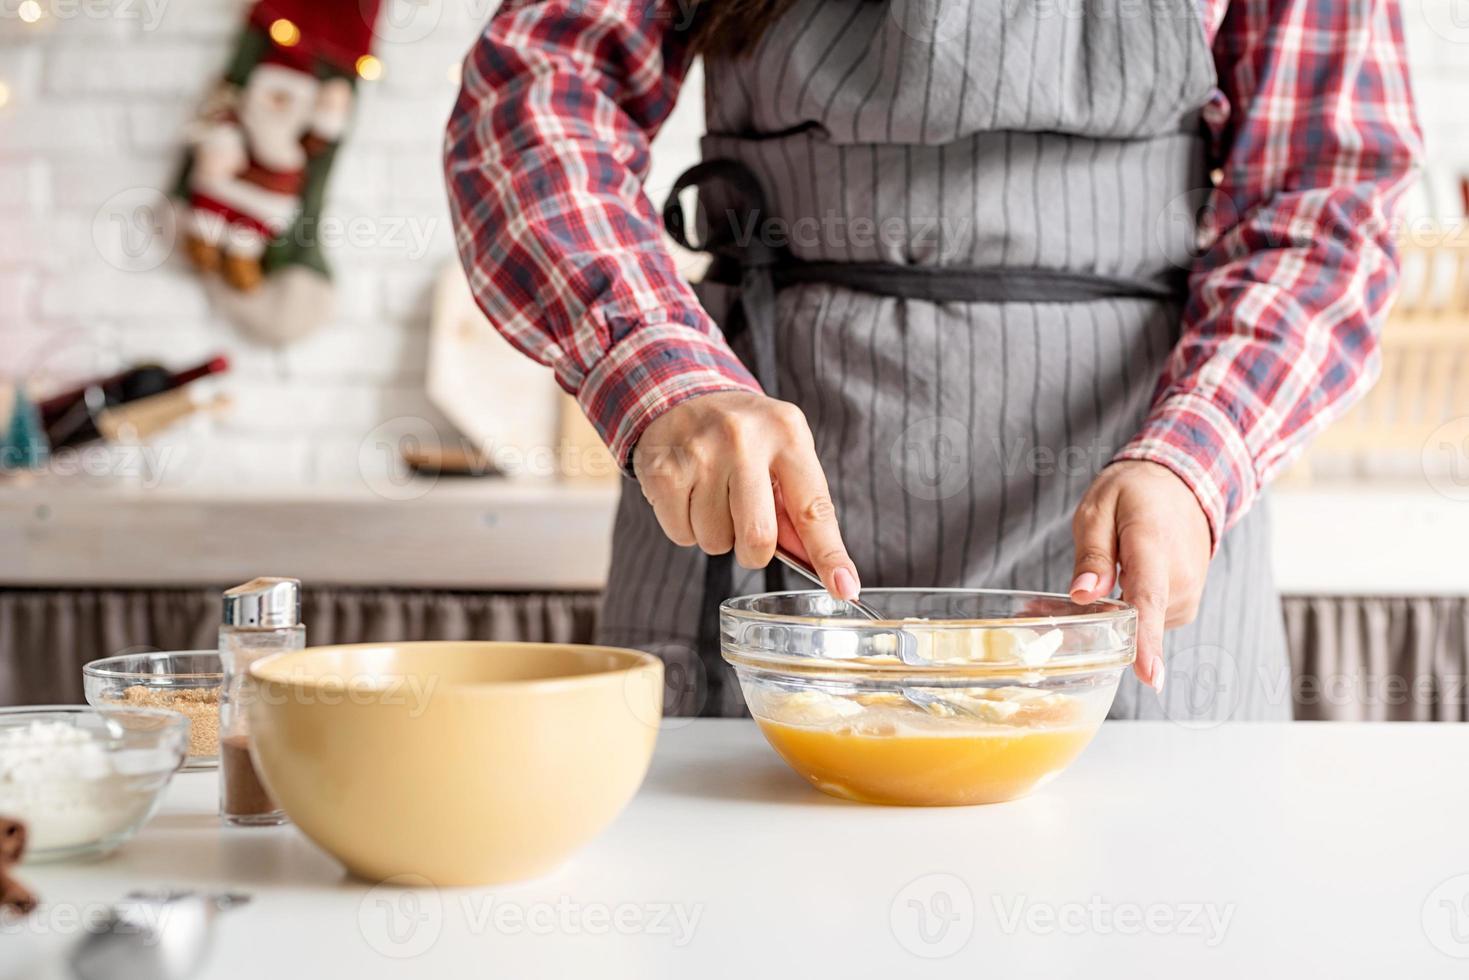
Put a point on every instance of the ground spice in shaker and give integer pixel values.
(244, 794)
(261, 618)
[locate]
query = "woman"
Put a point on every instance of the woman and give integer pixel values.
(958, 295)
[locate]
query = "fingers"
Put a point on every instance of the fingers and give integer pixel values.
(709, 513)
(1094, 532)
(752, 509)
(738, 470)
(808, 507)
(1145, 585)
(667, 486)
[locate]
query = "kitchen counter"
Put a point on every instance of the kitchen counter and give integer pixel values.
(499, 535)
(1278, 850)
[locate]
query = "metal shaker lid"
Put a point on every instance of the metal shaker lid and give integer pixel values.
(264, 603)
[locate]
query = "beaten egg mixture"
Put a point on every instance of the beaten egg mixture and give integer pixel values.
(976, 745)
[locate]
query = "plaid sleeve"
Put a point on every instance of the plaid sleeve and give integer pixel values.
(1315, 139)
(545, 154)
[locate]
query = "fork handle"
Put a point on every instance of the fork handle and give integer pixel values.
(795, 564)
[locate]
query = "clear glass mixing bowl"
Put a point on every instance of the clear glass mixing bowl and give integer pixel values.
(84, 780)
(186, 681)
(960, 696)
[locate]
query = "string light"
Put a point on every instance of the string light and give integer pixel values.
(4, 95)
(285, 33)
(369, 68)
(29, 11)
(456, 73)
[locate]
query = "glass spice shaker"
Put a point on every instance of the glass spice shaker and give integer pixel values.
(261, 617)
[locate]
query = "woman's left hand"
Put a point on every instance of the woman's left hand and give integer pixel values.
(1143, 517)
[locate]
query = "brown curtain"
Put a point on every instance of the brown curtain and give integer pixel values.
(1402, 658)
(46, 635)
(1354, 658)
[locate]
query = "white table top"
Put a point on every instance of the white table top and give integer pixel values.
(1304, 850)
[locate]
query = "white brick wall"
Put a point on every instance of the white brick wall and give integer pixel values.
(99, 93)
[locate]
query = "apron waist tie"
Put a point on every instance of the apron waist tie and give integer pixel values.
(758, 270)
(957, 284)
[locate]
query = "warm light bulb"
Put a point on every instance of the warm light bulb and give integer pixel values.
(4, 95)
(29, 11)
(456, 73)
(369, 68)
(284, 33)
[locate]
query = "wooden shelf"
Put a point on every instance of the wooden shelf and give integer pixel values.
(464, 535)
(501, 535)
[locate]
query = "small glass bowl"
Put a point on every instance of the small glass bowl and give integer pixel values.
(1010, 688)
(87, 797)
(186, 681)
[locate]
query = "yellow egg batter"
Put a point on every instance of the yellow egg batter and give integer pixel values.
(927, 770)
(879, 748)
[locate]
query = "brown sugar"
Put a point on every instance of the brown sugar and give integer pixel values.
(199, 704)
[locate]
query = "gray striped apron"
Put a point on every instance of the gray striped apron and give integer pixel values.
(1014, 187)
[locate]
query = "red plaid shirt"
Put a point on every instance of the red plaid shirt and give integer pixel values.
(1312, 130)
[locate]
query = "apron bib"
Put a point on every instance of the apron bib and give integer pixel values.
(917, 143)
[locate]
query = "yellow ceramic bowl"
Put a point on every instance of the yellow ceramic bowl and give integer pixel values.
(459, 763)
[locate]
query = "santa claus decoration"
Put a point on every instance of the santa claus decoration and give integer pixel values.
(260, 152)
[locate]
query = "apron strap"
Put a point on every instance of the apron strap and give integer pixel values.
(737, 247)
(964, 284)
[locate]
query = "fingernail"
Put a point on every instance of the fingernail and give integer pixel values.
(1158, 676)
(1084, 583)
(846, 584)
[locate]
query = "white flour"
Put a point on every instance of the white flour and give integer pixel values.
(60, 780)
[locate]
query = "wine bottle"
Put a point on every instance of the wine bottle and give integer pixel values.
(70, 418)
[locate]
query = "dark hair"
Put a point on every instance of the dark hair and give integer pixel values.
(730, 28)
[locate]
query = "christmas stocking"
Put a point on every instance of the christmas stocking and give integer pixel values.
(250, 194)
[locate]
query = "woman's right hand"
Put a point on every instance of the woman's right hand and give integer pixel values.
(738, 470)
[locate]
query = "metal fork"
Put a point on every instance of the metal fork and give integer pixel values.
(907, 642)
(789, 560)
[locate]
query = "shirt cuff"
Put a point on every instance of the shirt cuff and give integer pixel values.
(1203, 446)
(652, 369)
